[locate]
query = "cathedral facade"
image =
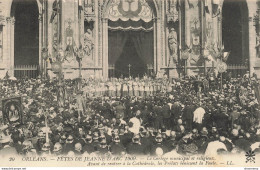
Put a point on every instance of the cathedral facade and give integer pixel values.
(111, 38)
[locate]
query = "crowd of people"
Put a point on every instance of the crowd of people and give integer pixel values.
(156, 117)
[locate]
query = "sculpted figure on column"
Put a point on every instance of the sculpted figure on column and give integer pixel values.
(173, 44)
(88, 42)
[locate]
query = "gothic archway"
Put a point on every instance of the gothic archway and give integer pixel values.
(26, 32)
(156, 32)
(235, 31)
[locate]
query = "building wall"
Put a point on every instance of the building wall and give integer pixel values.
(96, 64)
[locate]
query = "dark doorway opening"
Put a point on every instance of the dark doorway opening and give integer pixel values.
(26, 34)
(128, 57)
(135, 48)
(235, 31)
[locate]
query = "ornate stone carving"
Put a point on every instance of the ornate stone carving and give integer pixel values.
(172, 11)
(8, 19)
(40, 18)
(89, 10)
(134, 10)
(88, 42)
(104, 20)
(2, 20)
(13, 20)
(173, 44)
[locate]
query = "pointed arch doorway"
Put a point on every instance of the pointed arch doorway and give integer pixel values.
(130, 37)
(26, 37)
(132, 16)
(235, 31)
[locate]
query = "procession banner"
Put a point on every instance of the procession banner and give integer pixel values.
(12, 110)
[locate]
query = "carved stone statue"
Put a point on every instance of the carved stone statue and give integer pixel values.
(173, 44)
(88, 42)
(258, 46)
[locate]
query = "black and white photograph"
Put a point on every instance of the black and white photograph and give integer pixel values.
(129, 83)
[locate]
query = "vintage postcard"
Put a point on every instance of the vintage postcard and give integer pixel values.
(139, 83)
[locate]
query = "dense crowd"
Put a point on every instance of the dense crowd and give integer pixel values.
(188, 116)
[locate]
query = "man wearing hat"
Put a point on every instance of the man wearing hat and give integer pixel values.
(69, 145)
(116, 147)
(158, 146)
(103, 147)
(135, 147)
(188, 115)
(88, 147)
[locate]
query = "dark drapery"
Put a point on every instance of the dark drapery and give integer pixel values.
(143, 42)
(116, 43)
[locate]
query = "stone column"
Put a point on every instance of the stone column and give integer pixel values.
(105, 47)
(187, 33)
(11, 45)
(219, 40)
(96, 36)
(12, 41)
(252, 6)
(163, 34)
(155, 45)
(158, 44)
(8, 45)
(5, 49)
(40, 43)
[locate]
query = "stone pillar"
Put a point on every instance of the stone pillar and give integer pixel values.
(40, 43)
(96, 47)
(8, 45)
(12, 43)
(187, 32)
(158, 45)
(219, 25)
(155, 67)
(163, 34)
(4, 63)
(252, 8)
(105, 47)
(50, 26)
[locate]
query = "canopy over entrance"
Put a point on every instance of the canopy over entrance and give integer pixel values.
(130, 37)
